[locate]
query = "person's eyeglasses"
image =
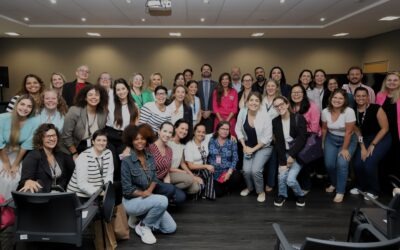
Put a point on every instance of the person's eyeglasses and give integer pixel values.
(105, 78)
(161, 93)
(297, 93)
(84, 71)
(50, 136)
(277, 106)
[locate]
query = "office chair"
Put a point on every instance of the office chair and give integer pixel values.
(317, 244)
(52, 217)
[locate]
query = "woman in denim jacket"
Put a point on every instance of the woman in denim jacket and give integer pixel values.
(139, 180)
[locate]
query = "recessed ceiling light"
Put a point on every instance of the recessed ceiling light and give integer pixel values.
(83, 19)
(53, 1)
(26, 19)
(257, 34)
(177, 34)
(206, 1)
(202, 20)
(128, 1)
(341, 34)
(143, 19)
(282, 1)
(12, 34)
(389, 18)
(322, 19)
(93, 34)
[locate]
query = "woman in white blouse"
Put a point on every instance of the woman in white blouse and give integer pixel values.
(194, 101)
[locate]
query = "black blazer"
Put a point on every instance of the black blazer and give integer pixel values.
(36, 167)
(200, 94)
(298, 131)
(68, 92)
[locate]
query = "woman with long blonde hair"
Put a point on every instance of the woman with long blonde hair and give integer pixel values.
(17, 129)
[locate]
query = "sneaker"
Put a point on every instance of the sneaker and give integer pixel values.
(338, 198)
(245, 192)
(278, 202)
(370, 196)
(261, 197)
(396, 191)
(145, 234)
(132, 221)
(354, 191)
(300, 201)
(330, 189)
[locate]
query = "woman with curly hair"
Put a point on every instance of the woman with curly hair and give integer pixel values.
(45, 168)
(87, 116)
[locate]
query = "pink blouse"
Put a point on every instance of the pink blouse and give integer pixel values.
(229, 103)
(312, 117)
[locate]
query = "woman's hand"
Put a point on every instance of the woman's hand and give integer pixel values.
(370, 150)
(14, 170)
(210, 168)
(31, 186)
(146, 193)
(289, 161)
(227, 175)
(248, 150)
(364, 153)
(282, 169)
(198, 180)
(6, 171)
(345, 154)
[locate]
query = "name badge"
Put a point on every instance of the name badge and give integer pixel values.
(218, 159)
(88, 143)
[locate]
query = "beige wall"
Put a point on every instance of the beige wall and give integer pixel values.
(121, 57)
(384, 47)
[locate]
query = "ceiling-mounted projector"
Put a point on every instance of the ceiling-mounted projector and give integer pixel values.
(159, 7)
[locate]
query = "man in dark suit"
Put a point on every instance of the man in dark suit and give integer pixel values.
(71, 89)
(205, 93)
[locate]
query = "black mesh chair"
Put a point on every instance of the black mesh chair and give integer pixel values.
(317, 244)
(386, 219)
(52, 217)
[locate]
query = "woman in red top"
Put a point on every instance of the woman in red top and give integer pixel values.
(225, 102)
(162, 155)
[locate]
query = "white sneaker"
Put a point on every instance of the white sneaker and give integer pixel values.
(245, 192)
(261, 197)
(145, 234)
(132, 221)
(371, 196)
(354, 191)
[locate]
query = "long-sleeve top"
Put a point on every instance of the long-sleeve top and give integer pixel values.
(163, 162)
(91, 172)
(227, 154)
(36, 167)
(312, 117)
(25, 135)
(297, 131)
(153, 116)
(75, 126)
(136, 177)
(262, 124)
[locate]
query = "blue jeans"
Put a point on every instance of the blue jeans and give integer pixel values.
(367, 176)
(253, 169)
(336, 166)
(289, 178)
(174, 194)
(153, 211)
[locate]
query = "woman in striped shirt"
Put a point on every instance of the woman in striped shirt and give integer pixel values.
(94, 167)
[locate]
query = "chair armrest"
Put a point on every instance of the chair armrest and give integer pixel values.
(368, 227)
(282, 242)
(377, 203)
(91, 200)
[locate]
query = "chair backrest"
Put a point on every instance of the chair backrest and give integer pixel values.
(393, 217)
(317, 244)
(108, 202)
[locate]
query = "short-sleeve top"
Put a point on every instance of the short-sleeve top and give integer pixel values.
(26, 132)
(192, 151)
(177, 153)
(338, 127)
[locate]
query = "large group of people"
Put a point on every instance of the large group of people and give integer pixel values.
(200, 140)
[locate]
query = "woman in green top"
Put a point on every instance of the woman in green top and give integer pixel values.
(136, 83)
(148, 94)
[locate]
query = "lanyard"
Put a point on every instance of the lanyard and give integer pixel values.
(90, 125)
(361, 121)
(53, 172)
(100, 167)
(203, 154)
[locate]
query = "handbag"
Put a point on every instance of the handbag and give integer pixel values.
(104, 236)
(120, 223)
(7, 215)
(312, 150)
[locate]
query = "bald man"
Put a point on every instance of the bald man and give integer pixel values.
(71, 89)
